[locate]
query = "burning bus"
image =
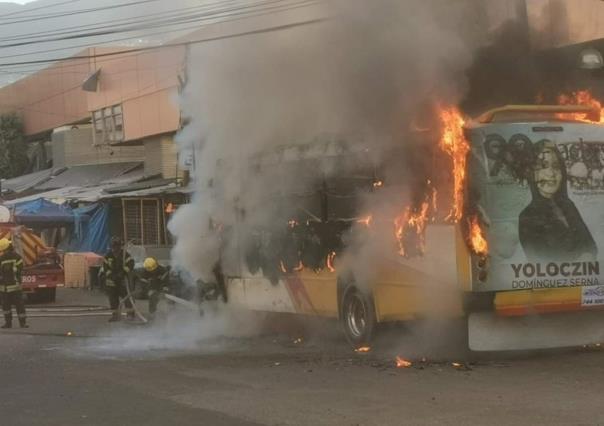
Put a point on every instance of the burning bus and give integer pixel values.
(507, 237)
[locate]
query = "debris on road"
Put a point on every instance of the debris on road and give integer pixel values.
(402, 363)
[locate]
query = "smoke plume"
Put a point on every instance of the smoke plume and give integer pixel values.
(366, 72)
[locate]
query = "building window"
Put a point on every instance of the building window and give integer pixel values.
(108, 125)
(142, 221)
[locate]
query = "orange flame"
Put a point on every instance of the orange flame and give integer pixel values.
(413, 224)
(170, 208)
(330, 258)
(454, 143)
(402, 363)
(378, 184)
(365, 220)
(581, 97)
(363, 349)
(478, 242)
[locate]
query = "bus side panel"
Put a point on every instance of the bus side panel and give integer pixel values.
(424, 286)
(259, 294)
(322, 292)
(305, 292)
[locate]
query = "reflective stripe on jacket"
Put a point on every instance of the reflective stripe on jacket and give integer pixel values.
(158, 279)
(116, 268)
(11, 265)
(10, 288)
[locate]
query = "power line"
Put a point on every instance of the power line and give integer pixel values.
(19, 12)
(165, 46)
(273, 9)
(110, 30)
(75, 12)
(109, 23)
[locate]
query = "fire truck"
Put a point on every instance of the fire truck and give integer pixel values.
(42, 271)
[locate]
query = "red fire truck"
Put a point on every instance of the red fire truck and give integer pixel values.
(42, 273)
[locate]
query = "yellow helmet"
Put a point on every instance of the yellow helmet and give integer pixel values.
(4, 244)
(150, 264)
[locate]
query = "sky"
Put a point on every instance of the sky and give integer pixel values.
(54, 49)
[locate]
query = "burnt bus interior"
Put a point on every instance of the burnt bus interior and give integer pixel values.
(305, 207)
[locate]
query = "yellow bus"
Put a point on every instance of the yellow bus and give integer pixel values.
(521, 261)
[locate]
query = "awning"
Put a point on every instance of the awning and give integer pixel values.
(89, 175)
(91, 194)
(29, 181)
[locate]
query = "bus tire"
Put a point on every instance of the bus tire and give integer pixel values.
(358, 317)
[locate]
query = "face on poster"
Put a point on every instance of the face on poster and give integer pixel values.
(540, 189)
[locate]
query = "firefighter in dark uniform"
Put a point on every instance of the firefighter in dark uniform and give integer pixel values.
(116, 268)
(157, 276)
(11, 265)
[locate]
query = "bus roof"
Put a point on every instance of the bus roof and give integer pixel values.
(539, 113)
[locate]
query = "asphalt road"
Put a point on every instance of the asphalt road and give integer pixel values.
(227, 370)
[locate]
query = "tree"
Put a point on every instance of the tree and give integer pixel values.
(13, 149)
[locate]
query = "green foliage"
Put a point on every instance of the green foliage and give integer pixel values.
(13, 149)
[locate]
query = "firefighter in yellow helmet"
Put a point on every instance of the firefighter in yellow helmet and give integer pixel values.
(11, 265)
(116, 269)
(158, 278)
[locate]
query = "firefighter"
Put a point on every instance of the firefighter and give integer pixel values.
(116, 268)
(157, 276)
(11, 265)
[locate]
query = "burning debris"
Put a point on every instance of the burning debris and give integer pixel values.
(402, 363)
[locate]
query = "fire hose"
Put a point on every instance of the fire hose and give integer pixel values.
(182, 302)
(130, 297)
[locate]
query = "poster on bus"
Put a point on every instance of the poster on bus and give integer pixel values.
(540, 192)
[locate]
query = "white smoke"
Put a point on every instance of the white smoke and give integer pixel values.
(361, 73)
(179, 330)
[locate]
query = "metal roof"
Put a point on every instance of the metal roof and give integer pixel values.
(89, 175)
(25, 182)
(141, 185)
(96, 193)
(158, 190)
(61, 195)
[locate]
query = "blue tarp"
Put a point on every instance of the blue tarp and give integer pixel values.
(87, 226)
(91, 235)
(43, 211)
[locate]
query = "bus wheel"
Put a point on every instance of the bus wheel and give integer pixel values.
(358, 317)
